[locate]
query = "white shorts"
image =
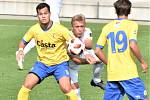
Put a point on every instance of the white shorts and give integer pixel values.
(73, 70)
(73, 67)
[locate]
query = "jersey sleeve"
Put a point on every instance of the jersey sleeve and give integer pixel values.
(28, 36)
(101, 40)
(133, 32)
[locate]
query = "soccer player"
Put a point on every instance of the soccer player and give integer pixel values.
(121, 37)
(50, 39)
(55, 12)
(80, 31)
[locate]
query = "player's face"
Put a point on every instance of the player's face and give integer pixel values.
(78, 28)
(43, 16)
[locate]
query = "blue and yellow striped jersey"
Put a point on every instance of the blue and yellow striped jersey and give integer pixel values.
(117, 35)
(50, 44)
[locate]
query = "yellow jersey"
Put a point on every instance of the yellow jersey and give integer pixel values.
(117, 35)
(50, 44)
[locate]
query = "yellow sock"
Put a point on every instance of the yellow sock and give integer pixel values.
(72, 95)
(23, 93)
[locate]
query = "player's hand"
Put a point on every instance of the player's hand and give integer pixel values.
(19, 55)
(144, 66)
(90, 59)
(20, 58)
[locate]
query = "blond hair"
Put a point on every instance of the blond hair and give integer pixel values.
(78, 17)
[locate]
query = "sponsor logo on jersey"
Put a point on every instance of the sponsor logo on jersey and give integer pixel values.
(46, 44)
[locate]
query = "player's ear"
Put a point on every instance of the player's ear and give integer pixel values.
(49, 13)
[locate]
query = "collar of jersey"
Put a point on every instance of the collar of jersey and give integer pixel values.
(48, 28)
(120, 18)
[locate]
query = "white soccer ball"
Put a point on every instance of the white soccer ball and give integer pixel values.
(76, 47)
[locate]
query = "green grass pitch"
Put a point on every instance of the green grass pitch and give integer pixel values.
(11, 32)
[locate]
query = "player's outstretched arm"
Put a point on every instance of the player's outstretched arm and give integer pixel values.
(101, 55)
(78, 60)
(137, 53)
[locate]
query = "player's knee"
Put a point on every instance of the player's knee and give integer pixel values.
(31, 81)
(28, 86)
(67, 89)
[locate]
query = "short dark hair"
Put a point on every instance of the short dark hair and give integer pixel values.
(123, 7)
(41, 6)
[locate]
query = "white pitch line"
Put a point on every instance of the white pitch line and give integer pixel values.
(5, 25)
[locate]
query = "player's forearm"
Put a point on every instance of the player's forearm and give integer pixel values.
(83, 61)
(103, 58)
(78, 60)
(22, 45)
(101, 55)
(136, 51)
